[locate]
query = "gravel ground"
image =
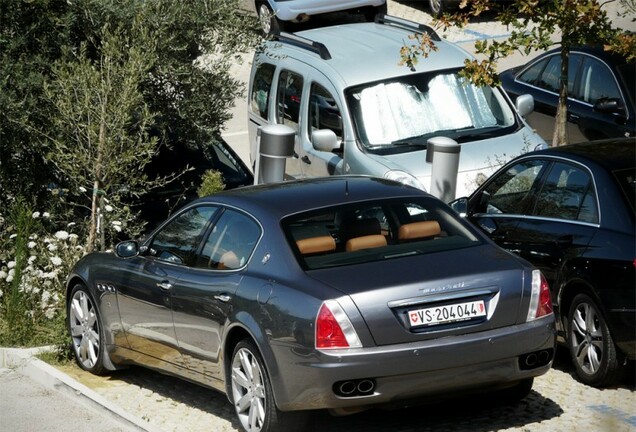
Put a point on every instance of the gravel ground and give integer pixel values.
(557, 403)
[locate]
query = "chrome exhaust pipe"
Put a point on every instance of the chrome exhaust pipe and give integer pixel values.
(347, 388)
(366, 386)
(531, 360)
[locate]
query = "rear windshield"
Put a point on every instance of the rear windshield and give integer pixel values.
(627, 179)
(375, 231)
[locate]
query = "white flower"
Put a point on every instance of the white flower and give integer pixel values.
(35, 215)
(10, 278)
(71, 224)
(32, 259)
(73, 237)
(12, 236)
(31, 245)
(46, 215)
(117, 228)
(3, 274)
(33, 237)
(11, 264)
(49, 313)
(61, 235)
(52, 247)
(82, 189)
(116, 223)
(108, 208)
(56, 260)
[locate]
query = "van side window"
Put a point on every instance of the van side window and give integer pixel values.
(324, 113)
(259, 98)
(288, 98)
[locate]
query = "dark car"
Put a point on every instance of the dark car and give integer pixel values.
(601, 89)
(570, 211)
(333, 293)
(190, 164)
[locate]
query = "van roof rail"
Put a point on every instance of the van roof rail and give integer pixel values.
(301, 42)
(407, 25)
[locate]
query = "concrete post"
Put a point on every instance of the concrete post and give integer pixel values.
(443, 153)
(274, 144)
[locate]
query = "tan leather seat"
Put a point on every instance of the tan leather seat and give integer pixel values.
(229, 261)
(315, 245)
(419, 230)
(365, 242)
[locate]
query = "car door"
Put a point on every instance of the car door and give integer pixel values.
(561, 222)
(322, 112)
(145, 283)
(203, 297)
(505, 199)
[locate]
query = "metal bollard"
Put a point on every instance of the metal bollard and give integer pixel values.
(443, 153)
(274, 144)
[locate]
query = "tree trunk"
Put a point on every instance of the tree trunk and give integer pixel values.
(561, 120)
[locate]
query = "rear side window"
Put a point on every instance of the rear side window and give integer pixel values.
(597, 82)
(259, 99)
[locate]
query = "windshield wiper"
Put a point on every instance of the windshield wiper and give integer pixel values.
(421, 140)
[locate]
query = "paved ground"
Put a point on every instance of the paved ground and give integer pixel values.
(557, 403)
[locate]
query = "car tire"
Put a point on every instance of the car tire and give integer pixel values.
(269, 23)
(252, 395)
(85, 327)
(437, 7)
(592, 349)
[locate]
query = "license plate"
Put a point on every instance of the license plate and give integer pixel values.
(447, 314)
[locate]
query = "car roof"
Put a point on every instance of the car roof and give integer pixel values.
(278, 200)
(368, 52)
(612, 154)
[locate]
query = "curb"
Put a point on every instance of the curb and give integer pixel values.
(25, 362)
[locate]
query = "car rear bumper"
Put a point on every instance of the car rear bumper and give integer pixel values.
(457, 364)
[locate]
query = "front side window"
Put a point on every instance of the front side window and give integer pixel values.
(288, 98)
(230, 242)
(568, 193)
(364, 232)
(511, 191)
(259, 99)
(597, 82)
(324, 112)
(177, 241)
(410, 109)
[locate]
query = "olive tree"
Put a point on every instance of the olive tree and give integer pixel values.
(536, 25)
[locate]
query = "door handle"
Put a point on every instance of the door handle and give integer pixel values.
(164, 285)
(223, 298)
(306, 160)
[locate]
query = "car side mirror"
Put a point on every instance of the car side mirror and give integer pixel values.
(460, 205)
(325, 140)
(608, 106)
(127, 249)
(524, 104)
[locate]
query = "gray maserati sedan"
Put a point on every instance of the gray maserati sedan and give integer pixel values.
(337, 293)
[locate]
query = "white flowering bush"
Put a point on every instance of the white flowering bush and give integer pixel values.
(36, 255)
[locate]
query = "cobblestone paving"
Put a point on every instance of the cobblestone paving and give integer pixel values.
(557, 403)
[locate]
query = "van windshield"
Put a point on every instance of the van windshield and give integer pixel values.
(410, 109)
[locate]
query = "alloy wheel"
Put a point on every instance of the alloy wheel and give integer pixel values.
(84, 328)
(248, 390)
(265, 16)
(587, 338)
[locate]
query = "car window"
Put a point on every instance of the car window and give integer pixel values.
(364, 232)
(288, 98)
(545, 73)
(398, 110)
(567, 193)
(597, 82)
(178, 240)
(259, 99)
(511, 191)
(324, 113)
(230, 242)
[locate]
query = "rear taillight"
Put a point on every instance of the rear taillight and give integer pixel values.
(333, 328)
(540, 299)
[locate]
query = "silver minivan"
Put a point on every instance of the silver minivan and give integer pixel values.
(356, 110)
